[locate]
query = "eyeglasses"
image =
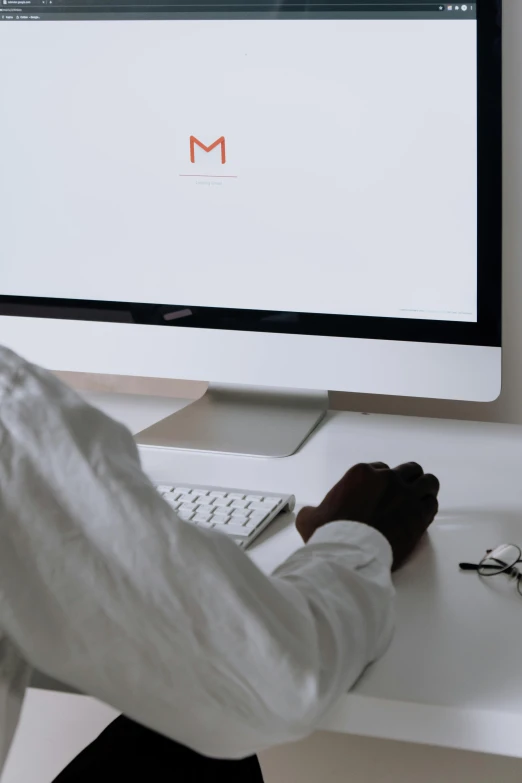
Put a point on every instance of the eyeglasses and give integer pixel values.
(502, 560)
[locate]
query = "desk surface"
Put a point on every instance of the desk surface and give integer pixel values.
(452, 675)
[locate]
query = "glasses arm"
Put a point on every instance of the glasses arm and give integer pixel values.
(511, 571)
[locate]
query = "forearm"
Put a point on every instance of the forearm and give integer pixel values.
(344, 576)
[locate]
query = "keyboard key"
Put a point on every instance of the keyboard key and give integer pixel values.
(222, 502)
(266, 507)
(188, 507)
(163, 488)
(204, 502)
(200, 518)
(184, 490)
(220, 519)
(239, 504)
(235, 496)
(254, 498)
(236, 530)
(239, 520)
(186, 516)
(171, 501)
(217, 494)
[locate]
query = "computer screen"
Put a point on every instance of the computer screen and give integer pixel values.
(308, 158)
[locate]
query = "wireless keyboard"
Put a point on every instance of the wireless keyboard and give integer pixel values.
(238, 513)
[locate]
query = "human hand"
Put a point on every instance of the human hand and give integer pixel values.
(400, 503)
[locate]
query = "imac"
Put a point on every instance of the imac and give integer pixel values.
(278, 198)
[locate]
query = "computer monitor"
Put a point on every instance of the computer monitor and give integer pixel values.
(270, 197)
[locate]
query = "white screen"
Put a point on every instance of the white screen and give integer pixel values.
(349, 185)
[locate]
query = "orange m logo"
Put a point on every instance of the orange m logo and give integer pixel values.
(218, 143)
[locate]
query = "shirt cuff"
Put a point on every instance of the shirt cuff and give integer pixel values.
(357, 535)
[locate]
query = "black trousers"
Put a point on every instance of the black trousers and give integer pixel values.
(126, 751)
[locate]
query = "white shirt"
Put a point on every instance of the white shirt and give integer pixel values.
(104, 588)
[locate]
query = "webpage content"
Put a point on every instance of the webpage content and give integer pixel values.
(320, 166)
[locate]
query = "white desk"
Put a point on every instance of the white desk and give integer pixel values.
(452, 676)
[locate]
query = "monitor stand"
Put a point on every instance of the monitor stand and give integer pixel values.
(243, 420)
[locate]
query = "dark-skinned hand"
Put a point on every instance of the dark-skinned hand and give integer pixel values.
(401, 503)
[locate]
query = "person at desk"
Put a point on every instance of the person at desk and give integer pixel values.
(104, 588)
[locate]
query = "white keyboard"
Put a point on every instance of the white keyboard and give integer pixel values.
(240, 514)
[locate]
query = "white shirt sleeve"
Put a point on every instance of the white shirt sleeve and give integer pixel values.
(104, 588)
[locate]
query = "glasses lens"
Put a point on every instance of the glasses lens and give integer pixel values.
(499, 560)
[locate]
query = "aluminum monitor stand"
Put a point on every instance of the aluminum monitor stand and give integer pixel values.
(243, 420)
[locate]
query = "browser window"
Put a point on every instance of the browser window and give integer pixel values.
(316, 158)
